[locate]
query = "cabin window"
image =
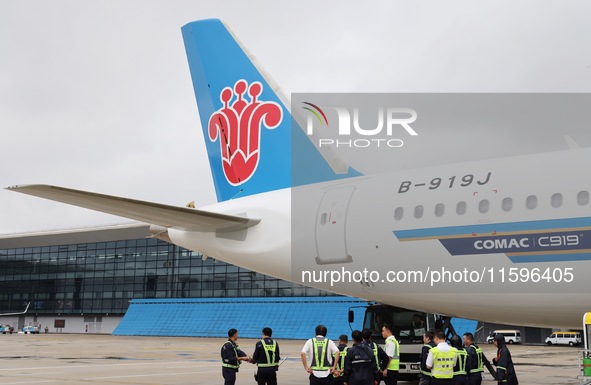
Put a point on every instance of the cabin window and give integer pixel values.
(583, 198)
(419, 211)
(531, 202)
(439, 209)
(507, 204)
(461, 208)
(483, 206)
(398, 213)
(556, 200)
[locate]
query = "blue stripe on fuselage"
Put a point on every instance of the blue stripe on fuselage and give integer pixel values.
(552, 240)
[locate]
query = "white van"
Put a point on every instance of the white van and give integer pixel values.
(564, 338)
(511, 336)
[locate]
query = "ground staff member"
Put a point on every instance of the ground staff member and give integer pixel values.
(505, 369)
(317, 357)
(337, 376)
(460, 374)
(266, 356)
(382, 359)
(428, 345)
(441, 360)
(475, 361)
(390, 374)
(360, 363)
(231, 357)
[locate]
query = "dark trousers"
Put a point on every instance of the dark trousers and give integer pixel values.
(361, 382)
(391, 378)
(320, 381)
(474, 379)
(440, 381)
(229, 375)
(266, 377)
(337, 381)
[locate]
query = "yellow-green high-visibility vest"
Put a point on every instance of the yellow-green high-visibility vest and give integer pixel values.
(395, 361)
(226, 365)
(374, 347)
(423, 371)
(480, 367)
(320, 362)
(443, 363)
(341, 363)
(270, 353)
(460, 367)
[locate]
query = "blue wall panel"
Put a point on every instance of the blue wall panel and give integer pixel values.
(464, 326)
(293, 317)
(289, 317)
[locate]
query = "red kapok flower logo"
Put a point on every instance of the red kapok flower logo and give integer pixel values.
(239, 128)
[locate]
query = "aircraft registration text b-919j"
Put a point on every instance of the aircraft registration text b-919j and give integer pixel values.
(486, 240)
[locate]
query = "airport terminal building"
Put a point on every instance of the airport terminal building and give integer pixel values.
(85, 280)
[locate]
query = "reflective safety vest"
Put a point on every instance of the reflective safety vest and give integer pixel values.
(460, 368)
(341, 363)
(395, 361)
(480, 367)
(374, 347)
(317, 362)
(423, 371)
(443, 363)
(270, 353)
(235, 347)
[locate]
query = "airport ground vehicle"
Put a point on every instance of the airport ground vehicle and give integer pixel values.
(409, 327)
(511, 336)
(564, 338)
(6, 329)
(30, 329)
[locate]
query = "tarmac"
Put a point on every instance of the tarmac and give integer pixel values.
(104, 359)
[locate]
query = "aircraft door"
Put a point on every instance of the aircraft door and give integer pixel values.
(331, 224)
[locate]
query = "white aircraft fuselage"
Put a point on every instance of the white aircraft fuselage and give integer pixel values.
(490, 283)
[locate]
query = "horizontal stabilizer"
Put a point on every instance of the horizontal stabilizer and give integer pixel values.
(572, 144)
(181, 218)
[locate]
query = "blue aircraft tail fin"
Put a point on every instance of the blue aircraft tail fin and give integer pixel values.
(248, 130)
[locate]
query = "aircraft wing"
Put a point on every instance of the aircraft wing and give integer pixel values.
(22, 312)
(181, 218)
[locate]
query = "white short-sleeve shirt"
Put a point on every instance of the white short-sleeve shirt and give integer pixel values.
(308, 350)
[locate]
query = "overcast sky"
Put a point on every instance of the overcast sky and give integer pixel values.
(97, 95)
